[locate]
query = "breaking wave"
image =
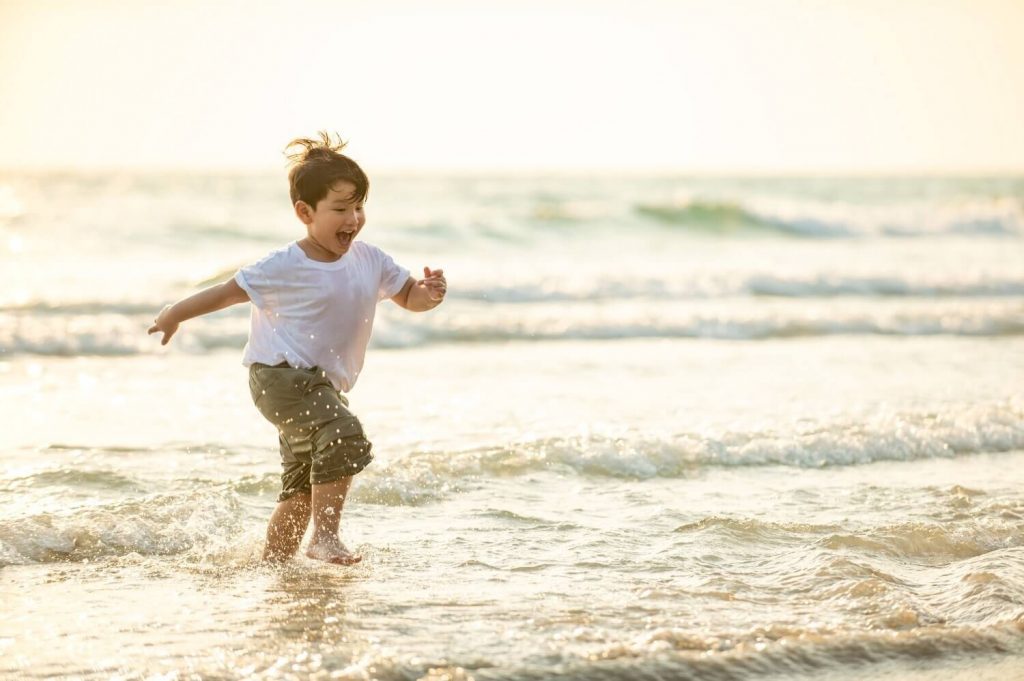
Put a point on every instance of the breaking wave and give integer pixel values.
(120, 335)
(902, 437)
(1003, 217)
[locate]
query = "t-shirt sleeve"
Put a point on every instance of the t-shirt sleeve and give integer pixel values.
(392, 276)
(255, 279)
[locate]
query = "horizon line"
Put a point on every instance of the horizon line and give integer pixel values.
(523, 171)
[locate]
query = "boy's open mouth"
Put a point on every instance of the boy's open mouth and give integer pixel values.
(344, 238)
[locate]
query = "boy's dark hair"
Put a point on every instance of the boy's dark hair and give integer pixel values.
(318, 167)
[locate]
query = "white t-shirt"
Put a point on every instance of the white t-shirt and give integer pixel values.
(309, 313)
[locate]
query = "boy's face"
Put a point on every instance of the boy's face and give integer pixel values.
(335, 220)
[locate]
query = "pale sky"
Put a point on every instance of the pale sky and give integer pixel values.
(686, 85)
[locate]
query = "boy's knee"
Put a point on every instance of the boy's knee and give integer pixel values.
(341, 457)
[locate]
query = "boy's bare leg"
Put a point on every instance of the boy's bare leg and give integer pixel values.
(328, 500)
(287, 527)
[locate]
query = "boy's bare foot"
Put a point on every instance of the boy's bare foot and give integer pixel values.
(331, 550)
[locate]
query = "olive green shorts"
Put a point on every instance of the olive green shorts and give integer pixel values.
(320, 439)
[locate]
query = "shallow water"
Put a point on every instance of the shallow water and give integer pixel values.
(734, 455)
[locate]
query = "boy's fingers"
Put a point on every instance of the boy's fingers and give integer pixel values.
(166, 337)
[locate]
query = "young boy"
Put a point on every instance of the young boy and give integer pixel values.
(313, 304)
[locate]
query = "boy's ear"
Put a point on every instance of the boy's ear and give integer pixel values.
(304, 211)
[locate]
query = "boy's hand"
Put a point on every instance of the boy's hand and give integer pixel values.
(164, 323)
(434, 284)
(420, 295)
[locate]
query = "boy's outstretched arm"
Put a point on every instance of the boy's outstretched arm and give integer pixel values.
(208, 300)
(425, 294)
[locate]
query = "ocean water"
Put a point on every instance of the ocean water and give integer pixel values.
(662, 428)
